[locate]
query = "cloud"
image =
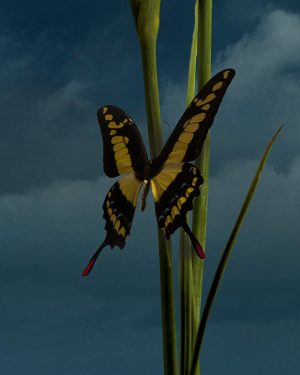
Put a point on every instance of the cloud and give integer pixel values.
(51, 88)
(261, 274)
(265, 91)
(50, 230)
(49, 233)
(263, 95)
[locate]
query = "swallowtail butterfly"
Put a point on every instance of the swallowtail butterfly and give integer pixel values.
(174, 181)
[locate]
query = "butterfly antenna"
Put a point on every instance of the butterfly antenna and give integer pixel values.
(169, 127)
(93, 259)
(198, 248)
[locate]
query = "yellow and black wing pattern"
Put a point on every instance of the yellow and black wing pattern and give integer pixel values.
(123, 147)
(174, 181)
(177, 182)
(123, 154)
(174, 189)
(186, 141)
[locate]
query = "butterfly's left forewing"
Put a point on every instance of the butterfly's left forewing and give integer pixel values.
(123, 147)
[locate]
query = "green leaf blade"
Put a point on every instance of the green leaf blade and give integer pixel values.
(227, 252)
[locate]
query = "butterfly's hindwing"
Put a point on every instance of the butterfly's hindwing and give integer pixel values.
(186, 141)
(118, 207)
(123, 147)
(174, 189)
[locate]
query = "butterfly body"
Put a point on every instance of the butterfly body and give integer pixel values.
(173, 180)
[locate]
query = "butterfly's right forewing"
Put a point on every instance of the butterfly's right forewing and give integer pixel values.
(186, 141)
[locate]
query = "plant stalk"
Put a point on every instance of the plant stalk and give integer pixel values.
(201, 203)
(186, 282)
(146, 16)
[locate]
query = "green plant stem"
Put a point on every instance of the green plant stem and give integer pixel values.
(186, 283)
(146, 16)
(200, 205)
(226, 253)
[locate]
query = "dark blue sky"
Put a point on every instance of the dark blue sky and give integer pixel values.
(61, 61)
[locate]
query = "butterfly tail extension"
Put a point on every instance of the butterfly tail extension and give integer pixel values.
(93, 259)
(198, 248)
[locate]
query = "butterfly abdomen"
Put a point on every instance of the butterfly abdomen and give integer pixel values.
(144, 195)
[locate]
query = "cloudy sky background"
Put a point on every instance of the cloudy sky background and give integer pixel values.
(59, 63)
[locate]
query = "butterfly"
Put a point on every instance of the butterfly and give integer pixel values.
(174, 181)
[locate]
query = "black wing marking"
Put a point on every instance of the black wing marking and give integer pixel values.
(123, 148)
(118, 207)
(186, 141)
(174, 189)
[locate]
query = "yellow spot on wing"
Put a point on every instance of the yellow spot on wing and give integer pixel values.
(198, 118)
(217, 86)
(108, 117)
(112, 132)
(191, 128)
(177, 153)
(226, 73)
(125, 158)
(180, 202)
(122, 231)
(113, 218)
(126, 139)
(114, 125)
(124, 166)
(195, 179)
(119, 146)
(119, 154)
(104, 110)
(206, 107)
(109, 211)
(117, 225)
(116, 139)
(174, 212)
(186, 137)
(179, 147)
(209, 98)
(107, 204)
(188, 191)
